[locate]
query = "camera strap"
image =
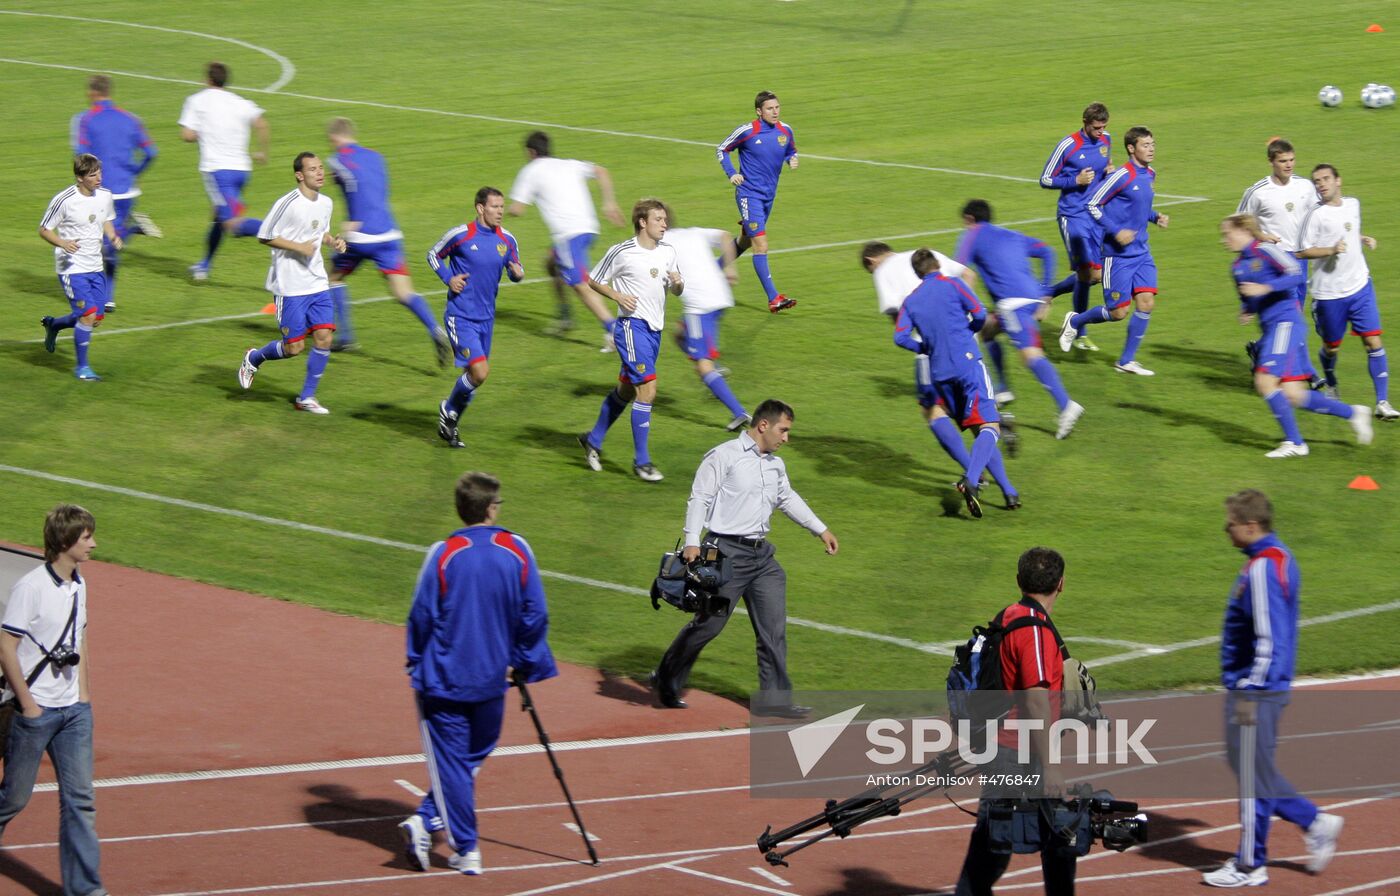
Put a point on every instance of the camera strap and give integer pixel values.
(48, 657)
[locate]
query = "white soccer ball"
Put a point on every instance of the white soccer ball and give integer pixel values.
(1329, 96)
(1373, 96)
(1387, 94)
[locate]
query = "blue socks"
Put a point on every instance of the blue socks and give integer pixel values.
(760, 267)
(1096, 315)
(993, 351)
(66, 321)
(340, 301)
(273, 351)
(946, 432)
(641, 430)
(998, 471)
(612, 408)
(983, 447)
(82, 335)
(1081, 299)
(1321, 404)
(1380, 373)
(1328, 362)
(211, 242)
(315, 366)
(715, 381)
(1283, 413)
(1065, 286)
(420, 310)
(462, 392)
(1137, 328)
(249, 227)
(1050, 379)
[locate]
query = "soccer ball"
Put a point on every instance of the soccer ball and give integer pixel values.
(1386, 94)
(1376, 96)
(1329, 96)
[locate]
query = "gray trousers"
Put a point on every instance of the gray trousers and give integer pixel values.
(761, 582)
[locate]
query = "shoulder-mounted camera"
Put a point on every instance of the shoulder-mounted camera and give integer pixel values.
(693, 587)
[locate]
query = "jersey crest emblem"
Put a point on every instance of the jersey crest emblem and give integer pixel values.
(753, 225)
(1254, 265)
(782, 139)
(315, 225)
(501, 249)
(92, 219)
(1103, 151)
(653, 273)
(1346, 226)
(641, 368)
(1117, 295)
(1288, 205)
(286, 331)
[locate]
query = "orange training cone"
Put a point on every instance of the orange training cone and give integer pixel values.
(1374, 29)
(1364, 484)
(270, 308)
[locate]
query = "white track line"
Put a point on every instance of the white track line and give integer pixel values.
(411, 787)
(757, 888)
(569, 885)
(1361, 888)
(288, 70)
(769, 876)
(592, 837)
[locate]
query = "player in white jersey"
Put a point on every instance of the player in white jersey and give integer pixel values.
(220, 121)
(559, 187)
(1341, 284)
(636, 274)
(295, 230)
(703, 304)
(74, 224)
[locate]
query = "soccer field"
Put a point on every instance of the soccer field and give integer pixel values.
(902, 112)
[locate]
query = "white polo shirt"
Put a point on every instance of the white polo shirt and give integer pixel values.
(706, 289)
(39, 607)
(223, 120)
(895, 279)
(74, 216)
(301, 220)
(559, 188)
(1280, 209)
(1336, 276)
(630, 269)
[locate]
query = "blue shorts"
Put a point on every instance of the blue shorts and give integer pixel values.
(1126, 276)
(85, 292)
(968, 399)
(754, 212)
(387, 256)
(700, 335)
(1083, 241)
(471, 339)
(1020, 325)
(1331, 316)
(571, 258)
(225, 189)
(299, 315)
(637, 345)
(1283, 351)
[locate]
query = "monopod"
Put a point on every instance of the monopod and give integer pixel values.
(528, 705)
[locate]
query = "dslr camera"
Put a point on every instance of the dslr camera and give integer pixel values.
(63, 656)
(693, 587)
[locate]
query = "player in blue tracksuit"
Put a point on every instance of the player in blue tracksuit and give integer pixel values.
(478, 611)
(764, 145)
(469, 260)
(1076, 167)
(1002, 257)
(121, 144)
(1122, 207)
(1258, 648)
(371, 233)
(1267, 278)
(937, 322)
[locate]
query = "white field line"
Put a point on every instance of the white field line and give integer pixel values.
(769, 876)
(757, 888)
(288, 70)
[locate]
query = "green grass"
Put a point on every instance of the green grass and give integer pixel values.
(1133, 499)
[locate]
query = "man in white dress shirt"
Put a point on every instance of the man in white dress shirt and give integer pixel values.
(738, 486)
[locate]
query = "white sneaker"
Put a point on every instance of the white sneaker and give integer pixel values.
(1085, 344)
(591, 456)
(608, 345)
(1361, 424)
(310, 405)
(112, 306)
(1289, 449)
(647, 472)
(1005, 396)
(246, 370)
(1383, 409)
(468, 862)
(1134, 367)
(739, 422)
(199, 273)
(1321, 840)
(1068, 417)
(1067, 332)
(148, 227)
(1229, 876)
(417, 842)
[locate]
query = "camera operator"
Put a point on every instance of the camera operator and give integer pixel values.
(736, 489)
(1031, 663)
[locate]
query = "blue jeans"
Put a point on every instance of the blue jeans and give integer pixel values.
(66, 734)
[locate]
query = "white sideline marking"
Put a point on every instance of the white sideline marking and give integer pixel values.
(1361, 887)
(757, 888)
(592, 837)
(768, 875)
(616, 874)
(288, 70)
(410, 787)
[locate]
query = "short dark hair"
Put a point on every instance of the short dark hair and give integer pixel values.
(100, 85)
(643, 208)
(871, 251)
(217, 73)
(1095, 112)
(1039, 571)
(486, 193)
(1251, 506)
(1135, 133)
(1329, 167)
(1278, 146)
(85, 163)
(763, 97)
(475, 493)
(924, 262)
(64, 525)
(772, 410)
(538, 143)
(298, 162)
(978, 210)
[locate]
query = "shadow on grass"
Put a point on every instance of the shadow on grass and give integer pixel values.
(1228, 370)
(225, 380)
(1230, 433)
(414, 424)
(865, 459)
(29, 282)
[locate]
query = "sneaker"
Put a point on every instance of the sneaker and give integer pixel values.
(1331, 392)
(468, 862)
(87, 373)
(442, 347)
(1289, 449)
(417, 842)
(591, 456)
(1321, 840)
(109, 306)
(310, 405)
(1013, 501)
(969, 495)
(1085, 344)
(344, 345)
(1385, 412)
(146, 226)
(1317, 383)
(1067, 333)
(558, 328)
(1068, 417)
(447, 427)
(1005, 396)
(1009, 439)
(780, 302)
(50, 335)
(1361, 423)
(246, 370)
(739, 422)
(1251, 349)
(609, 345)
(1134, 367)
(199, 272)
(647, 472)
(1229, 875)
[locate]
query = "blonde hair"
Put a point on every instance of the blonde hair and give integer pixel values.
(1247, 223)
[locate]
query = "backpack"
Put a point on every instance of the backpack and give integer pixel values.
(976, 691)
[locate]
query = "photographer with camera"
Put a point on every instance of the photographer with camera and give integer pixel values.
(44, 657)
(1032, 662)
(738, 486)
